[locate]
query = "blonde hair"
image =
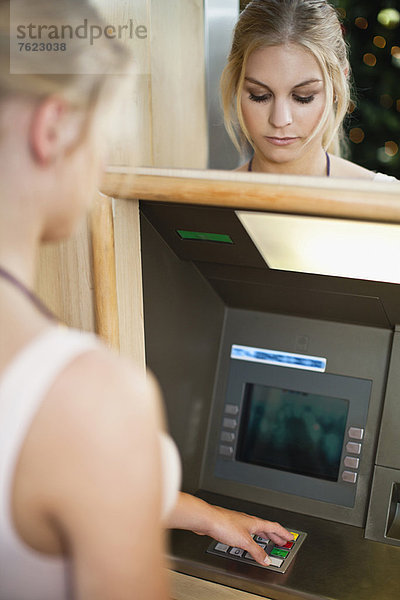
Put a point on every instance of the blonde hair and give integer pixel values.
(312, 24)
(81, 90)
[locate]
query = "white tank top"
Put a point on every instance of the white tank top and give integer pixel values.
(382, 177)
(24, 573)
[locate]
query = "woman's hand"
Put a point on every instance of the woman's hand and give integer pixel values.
(226, 526)
(236, 529)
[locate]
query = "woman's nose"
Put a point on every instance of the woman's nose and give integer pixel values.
(280, 115)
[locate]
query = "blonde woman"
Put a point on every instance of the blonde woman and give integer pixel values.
(285, 89)
(87, 479)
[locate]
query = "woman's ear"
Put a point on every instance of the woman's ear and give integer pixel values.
(47, 135)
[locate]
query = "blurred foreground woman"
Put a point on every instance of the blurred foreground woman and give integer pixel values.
(87, 478)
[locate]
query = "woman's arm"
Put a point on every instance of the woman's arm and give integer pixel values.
(226, 526)
(93, 460)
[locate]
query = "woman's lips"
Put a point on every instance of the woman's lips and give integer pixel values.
(281, 141)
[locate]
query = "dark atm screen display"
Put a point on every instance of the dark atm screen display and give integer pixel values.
(292, 431)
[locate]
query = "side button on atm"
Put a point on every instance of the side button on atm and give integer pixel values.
(231, 409)
(226, 450)
(229, 423)
(227, 436)
(349, 476)
(351, 462)
(356, 433)
(353, 448)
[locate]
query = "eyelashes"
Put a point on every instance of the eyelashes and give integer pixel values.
(266, 97)
(304, 99)
(263, 98)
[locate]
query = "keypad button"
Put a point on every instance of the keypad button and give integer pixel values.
(353, 448)
(263, 546)
(236, 551)
(231, 409)
(295, 535)
(229, 423)
(349, 476)
(288, 545)
(226, 450)
(221, 547)
(249, 556)
(260, 539)
(276, 562)
(356, 433)
(351, 462)
(227, 436)
(280, 552)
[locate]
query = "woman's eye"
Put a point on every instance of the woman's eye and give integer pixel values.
(304, 99)
(262, 98)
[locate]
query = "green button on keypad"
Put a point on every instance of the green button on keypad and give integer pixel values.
(279, 552)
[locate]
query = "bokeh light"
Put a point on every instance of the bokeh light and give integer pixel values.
(356, 135)
(391, 148)
(369, 59)
(379, 41)
(389, 17)
(395, 52)
(361, 23)
(396, 61)
(382, 156)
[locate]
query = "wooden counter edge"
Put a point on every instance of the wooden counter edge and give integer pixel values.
(185, 587)
(348, 199)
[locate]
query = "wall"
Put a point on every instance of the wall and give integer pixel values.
(163, 125)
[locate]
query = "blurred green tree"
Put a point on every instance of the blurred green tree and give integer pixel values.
(372, 30)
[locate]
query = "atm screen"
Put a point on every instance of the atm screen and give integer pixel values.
(292, 431)
(287, 429)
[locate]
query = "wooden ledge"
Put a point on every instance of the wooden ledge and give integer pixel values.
(340, 198)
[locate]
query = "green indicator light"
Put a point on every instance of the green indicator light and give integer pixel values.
(205, 237)
(279, 552)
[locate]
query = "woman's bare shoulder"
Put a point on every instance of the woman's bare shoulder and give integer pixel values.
(98, 403)
(102, 379)
(341, 167)
(94, 412)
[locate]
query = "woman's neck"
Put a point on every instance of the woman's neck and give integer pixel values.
(19, 242)
(314, 163)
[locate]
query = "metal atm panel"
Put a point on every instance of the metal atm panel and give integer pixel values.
(194, 309)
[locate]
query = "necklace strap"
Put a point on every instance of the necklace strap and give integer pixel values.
(328, 164)
(27, 293)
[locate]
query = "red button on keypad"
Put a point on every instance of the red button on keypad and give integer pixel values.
(288, 545)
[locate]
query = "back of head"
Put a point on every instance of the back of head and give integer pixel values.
(55, 59)
(312, 24)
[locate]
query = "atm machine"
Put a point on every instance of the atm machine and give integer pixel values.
(282, 390)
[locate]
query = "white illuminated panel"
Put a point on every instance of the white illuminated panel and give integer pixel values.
(322, 246)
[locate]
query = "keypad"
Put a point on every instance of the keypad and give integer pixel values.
(280, 556)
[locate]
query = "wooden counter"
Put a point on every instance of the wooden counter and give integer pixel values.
(184, 587)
